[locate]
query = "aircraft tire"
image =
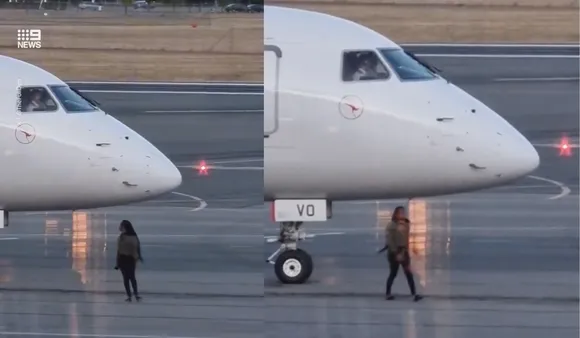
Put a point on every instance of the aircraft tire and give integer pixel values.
(293, 266)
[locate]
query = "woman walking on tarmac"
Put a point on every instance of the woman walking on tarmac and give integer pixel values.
(397, 246)
(128, 253)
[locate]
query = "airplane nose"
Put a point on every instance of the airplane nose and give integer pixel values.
(165, 177)
(523, 158)
(162, 175)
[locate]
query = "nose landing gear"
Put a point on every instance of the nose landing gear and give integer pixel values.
(293, 265)
(4, 219)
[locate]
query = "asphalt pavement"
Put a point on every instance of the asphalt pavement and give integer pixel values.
(501, 262)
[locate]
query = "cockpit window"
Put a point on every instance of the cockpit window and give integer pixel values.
(35, 100)
(363, 65)
(406, 67)
(72, 100)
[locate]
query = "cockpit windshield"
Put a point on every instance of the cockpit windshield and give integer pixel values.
(407, 67)
(72, 101)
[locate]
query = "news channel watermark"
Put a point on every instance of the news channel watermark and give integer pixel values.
(29, 38)
(19, 97)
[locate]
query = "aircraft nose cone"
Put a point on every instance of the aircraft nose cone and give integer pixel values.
(523, 158)
(529, 159)
(165, 177)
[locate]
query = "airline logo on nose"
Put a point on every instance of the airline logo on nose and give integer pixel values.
(25, 133)
(351, 107)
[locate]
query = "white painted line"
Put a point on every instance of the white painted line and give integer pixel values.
(537, 79)
(204, 111)
(509, 45)
(142, 235)
(552, 145)
(233, 83)
(167, 92)
(272, 239)
(211, 167)
(211, 162)
(564, 190)
(32, 213)
(202, 203)
(8, 238)
(87, 335)
(491, 240)
(235, 210)
(524, 186)
(250, 160)
(501, 56)
(444, 229)
(175, 201)
(153, 83)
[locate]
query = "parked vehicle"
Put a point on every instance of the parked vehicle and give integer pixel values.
(90, 6)
(235, 8)
(255, 8)
(142, 4)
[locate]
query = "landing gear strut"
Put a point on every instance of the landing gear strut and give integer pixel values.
(293, 265)
(4, 219)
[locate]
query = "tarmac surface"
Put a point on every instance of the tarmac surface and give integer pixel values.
(202, 275)
(502, 262)
(498, 49)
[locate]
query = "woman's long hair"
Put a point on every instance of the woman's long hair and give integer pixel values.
(129, 230)
(396, 211)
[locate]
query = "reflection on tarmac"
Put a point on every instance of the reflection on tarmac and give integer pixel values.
(496, 264)
(57, 276)
(80, 244)
(423, 243)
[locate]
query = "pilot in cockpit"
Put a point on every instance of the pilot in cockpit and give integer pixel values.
(36, 102)
(369, 68)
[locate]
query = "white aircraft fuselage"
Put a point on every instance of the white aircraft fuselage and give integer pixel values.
(72, 155)
(410, 134)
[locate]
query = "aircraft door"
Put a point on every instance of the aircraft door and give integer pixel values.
(272, 58)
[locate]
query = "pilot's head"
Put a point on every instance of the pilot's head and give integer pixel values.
(36, 96)
(366, 60)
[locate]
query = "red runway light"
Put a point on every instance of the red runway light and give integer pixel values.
(202, 168)
(565, 149)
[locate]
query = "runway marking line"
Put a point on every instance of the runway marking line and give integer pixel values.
(526, 186)
(88, 335)
(273, 238)
(564, 190)
(202, 203)
(8, 238)
(104, 91)
(155, 236)
(249, 160)
(212, 167)
(209, 83)
(200, 111)
(212, 162)
(176, 201)
(501, 56)
(537, 79)
(552, 145)
(487, 45)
